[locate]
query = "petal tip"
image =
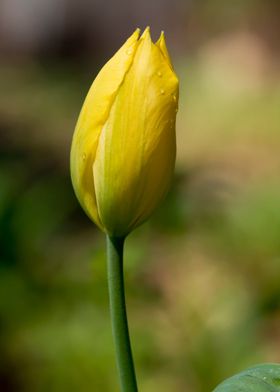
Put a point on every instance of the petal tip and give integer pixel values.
(136, 33)
(161, 41)
(161, 44)
(162, 36)
(146, 34)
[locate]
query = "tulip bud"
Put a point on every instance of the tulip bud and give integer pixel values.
(124, 145)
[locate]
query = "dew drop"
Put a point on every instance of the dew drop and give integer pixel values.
(129, 51)
(162, 91)
(84, 157)
(174, 98)
(159, 73)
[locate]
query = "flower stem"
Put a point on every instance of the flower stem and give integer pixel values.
(118, 314)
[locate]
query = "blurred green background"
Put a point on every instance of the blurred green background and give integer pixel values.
(203, 275)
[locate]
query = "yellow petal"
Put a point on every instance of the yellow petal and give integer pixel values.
(162, 45)
(136, 151)
(93, 116)
(146, 33)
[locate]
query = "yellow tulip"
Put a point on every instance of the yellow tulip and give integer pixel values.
(124, 145)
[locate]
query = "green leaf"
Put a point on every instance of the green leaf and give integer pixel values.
(260, 378)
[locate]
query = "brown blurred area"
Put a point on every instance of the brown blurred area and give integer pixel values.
(67, 28)
(203, 274)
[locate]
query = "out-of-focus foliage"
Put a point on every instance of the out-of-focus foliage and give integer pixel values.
(202, 275)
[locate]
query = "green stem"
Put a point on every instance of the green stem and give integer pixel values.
(118, 314)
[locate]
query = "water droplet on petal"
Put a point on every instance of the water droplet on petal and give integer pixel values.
(159, 73)
(129, 51)
(84, 157)
(174, 98)
(162, 91)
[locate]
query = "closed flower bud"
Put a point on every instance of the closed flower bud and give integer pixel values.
(124, 145)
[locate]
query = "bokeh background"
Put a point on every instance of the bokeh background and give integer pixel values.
(203, 275)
